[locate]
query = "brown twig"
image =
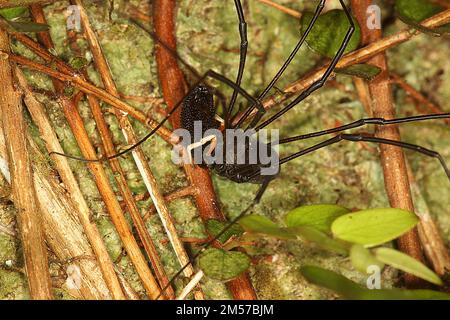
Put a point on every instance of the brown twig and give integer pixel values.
(174, 88)
(430, 236)
(106, 135)
(62, 229)
(62, 166)
(355, 57)
(282, 8)
(101, 179)
(416, 95)
(22, 3)
(392, 158)
(181, 193)
(28, 216)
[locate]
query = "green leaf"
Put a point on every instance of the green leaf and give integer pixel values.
(12, 13)
(28, 26)
(373, 227)
(412, 12)
(404, 262)
(319, 238)
(317, 216)
(351, 290)
(329, 31)
(223, 265)
(364, 71)
(362, 258)
(214, 227)
(263, 225)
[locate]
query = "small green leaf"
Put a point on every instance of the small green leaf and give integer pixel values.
(402, 261)
(319, 216)
(214, 227)
(373, 227)
(362, 258)
(28, 26)
(262, 225)
(364, 71)
(412, 12)
(12, 13)
(351, 290)
(319, 238)
(223, 265)
(329, 31)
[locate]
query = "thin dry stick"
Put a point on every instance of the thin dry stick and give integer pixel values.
(62, 230)
(282, 8)
(141, 163)
(417, 96)
(101, 179)
(191, 285)
(430, 236)
(174, 88)
(22, 3)
(181, 193)
(28, 216)
(79, 82)
(355, 57)
(392, 158)
(62, 166)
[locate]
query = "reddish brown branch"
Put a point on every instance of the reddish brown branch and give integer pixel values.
(392, 158)
(100, 177)
(417, 96)
(24, 194)
(174, 88)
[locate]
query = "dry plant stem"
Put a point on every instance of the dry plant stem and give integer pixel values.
(355, 57)
(62, 229)
(174, 88)
(101, 179)
(430, 236)
(392, 158)
(417, 96)
(67, 74)
(62, 166)
(363, 94)
(181, 193)
(22, 3)
(142, 164)
(28, 216)
(282, 8)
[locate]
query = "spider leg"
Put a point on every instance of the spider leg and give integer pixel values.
(319, 83)
(280, 72)
(366, 121)
(208, 74)
(242, 58)
(359, 138)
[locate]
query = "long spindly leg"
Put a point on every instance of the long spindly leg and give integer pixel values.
(209, 74)
(255, 201)
(359, 138)
(280, 72)
(366, 121)
(242, 59)
(319, 83)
